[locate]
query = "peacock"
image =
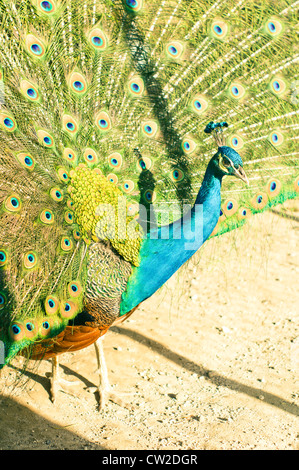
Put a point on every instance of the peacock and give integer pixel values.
(131, 131)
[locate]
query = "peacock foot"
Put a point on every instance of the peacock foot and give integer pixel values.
(58, 384)
(103, 390)
(105, 395)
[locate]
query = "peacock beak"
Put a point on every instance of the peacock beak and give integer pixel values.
(240, 173)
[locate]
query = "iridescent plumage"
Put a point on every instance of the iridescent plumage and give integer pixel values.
(104, 105)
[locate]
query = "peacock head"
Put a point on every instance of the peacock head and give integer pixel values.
(229, 162)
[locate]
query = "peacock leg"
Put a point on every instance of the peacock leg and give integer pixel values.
(57, 383)
(104, 388)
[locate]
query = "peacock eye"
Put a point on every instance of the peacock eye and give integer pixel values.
(226, 162)
(236, 166)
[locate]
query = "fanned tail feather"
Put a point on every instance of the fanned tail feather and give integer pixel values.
(116, 95)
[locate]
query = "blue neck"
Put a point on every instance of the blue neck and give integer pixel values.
(209, 196)
(168, 247)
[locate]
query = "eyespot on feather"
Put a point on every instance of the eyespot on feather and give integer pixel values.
(144, 163)
(30, 260)
(236, 142)
(97, 39)
(136, 86)
(222, 216)
(219, 29)
(29, 90)
(77, 84)
(278, 86)
(244, 213)
(3, 257)
(35, 46)
(115, 161)
(273, 27)
(31, 328)
(76, 235)
(3, 300)
(199, 104)
(133, 5)
(273, 187)
(45, 326)
(68, 309)
(56, 194)
(66, 244)
(26, 160)
(188, 145)
(149, 128)
(132, 209)
(63, 175)
(13, 203)
(17, 331)
(69, 217)
(47, 217)
(177, 175)
(237, 90)
(259, 201)
(45, 138)
(47, 7)
(174, 49)
(276, 138)
(51, 305)
(149, 196)
(103, 121)
(8, 123)
(90, 156)
(230, 207)
(75, 289)
(69, 124)
(128, 186)
(69, 155)
(112, 178)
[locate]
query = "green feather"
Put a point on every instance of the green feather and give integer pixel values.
(127, 88)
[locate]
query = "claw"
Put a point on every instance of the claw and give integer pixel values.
(106, 395)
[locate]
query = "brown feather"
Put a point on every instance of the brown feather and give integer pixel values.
(72, 338)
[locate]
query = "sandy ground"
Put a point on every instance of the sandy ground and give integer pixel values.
(209, 362)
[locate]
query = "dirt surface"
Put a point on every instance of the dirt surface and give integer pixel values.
(210, 362)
